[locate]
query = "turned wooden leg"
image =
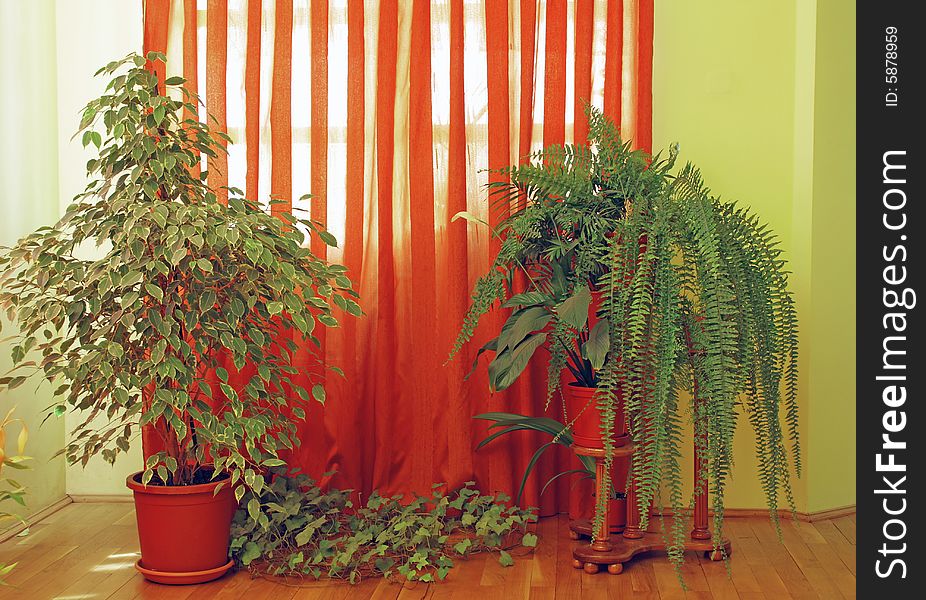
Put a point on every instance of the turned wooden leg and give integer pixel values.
(716, 555)
(591, 568)
(573, 535)
(601, 537)
(700, 531)
(576, 563)
(632, 531)
(615, 569)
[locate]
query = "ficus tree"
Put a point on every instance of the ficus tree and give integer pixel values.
(138, 302)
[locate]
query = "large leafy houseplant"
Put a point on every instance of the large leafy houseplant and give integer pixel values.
(693, 300)
(137, 300)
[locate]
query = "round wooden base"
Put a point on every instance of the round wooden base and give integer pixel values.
(623, 549)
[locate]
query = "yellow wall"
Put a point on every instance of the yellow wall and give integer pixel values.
(831, 432)
(760, 95)
(28, 172)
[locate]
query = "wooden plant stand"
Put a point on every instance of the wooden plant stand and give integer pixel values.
(614, 549)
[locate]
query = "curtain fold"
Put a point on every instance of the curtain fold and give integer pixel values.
(388, 113)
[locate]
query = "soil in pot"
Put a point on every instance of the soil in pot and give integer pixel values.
(582, 411)
(183, 530)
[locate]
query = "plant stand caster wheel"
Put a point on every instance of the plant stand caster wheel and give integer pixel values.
(576, 563)
(573, 535)
(615, 569)
(590, 568)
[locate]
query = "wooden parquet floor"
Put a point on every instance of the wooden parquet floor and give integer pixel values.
(86, 551)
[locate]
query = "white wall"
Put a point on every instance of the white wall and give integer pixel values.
(90, 33)
(28, 172)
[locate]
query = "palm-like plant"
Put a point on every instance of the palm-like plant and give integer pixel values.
(693, 298)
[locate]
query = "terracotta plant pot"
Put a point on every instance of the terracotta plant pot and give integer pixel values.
(183, 530)
(618, 512)
(583, 409)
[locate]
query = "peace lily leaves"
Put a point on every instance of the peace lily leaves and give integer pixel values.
(302, 530)
(595, 349)
(148, 283)
(574, 310)
(524, 332)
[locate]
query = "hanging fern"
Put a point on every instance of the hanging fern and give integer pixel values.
(694, 293)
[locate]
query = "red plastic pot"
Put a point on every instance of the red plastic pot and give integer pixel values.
(183, 530)
(582, 411)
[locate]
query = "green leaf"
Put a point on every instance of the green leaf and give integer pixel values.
(507, 366)
(207, 301)
(504, 559)
(595, 350)
(329, 239)
(520, 324)
(154, 291)
(529, 540)
(574, 310)
(469, 217)
(274, 308)
(327, 320)
(318, 392)
(253, 508)
(528, 299)
(251, 553)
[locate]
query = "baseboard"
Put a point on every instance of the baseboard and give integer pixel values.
(831, 513)
(807, 517)
(35, 517)
(105, 498)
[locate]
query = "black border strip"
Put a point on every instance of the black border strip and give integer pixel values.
(890, 232)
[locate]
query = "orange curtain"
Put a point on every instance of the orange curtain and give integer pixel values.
(388, 112)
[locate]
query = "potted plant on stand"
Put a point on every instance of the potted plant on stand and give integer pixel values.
(144, 329)
(692, 299)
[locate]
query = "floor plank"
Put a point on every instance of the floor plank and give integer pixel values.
(87, 551)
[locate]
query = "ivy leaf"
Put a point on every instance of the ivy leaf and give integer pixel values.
(504, 559)
(251, 553)
(529, 540)
(462, 546)
(384, 564)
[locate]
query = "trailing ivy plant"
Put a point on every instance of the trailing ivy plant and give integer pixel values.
(148, 285)
(294, 528)
(693, 293)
